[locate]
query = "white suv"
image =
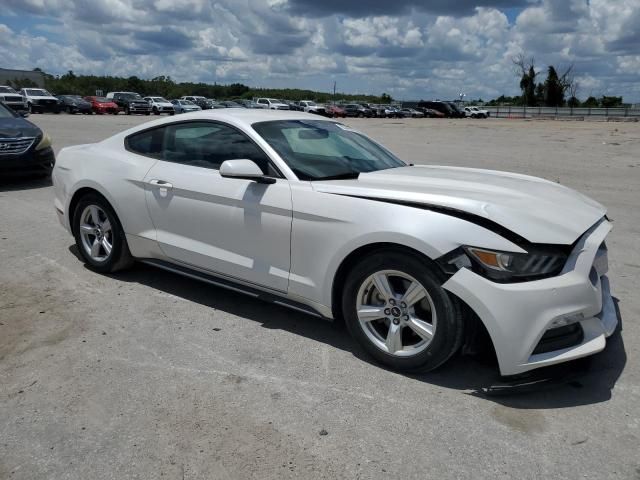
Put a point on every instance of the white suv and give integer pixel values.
(160, 105)
(272, 103)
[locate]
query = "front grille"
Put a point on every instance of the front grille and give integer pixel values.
(15, 146)
(559, 338)
(13, 98)
(46, 102)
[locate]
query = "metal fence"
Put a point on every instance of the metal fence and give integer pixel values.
(564, 112)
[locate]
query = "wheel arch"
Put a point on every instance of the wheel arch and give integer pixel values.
(78, 195)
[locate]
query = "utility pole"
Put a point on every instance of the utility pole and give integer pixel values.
(334, 92)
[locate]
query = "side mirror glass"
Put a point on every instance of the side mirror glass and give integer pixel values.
(244, 169)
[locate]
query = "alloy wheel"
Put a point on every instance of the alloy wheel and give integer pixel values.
(396, 313)
(96, 233)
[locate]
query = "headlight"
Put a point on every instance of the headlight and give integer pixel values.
(538, 262)
(44, 142)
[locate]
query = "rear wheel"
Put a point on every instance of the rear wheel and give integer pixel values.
(99, 235)
(395, 307)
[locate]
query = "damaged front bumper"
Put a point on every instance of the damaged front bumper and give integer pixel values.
(522, 318)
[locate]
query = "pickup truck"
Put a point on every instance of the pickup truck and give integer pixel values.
(39, 100)
(130, 102)
(12, 99)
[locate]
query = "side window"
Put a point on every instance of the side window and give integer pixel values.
(147, 143)
(208, 144)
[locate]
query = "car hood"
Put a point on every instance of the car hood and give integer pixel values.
(538, 210)
(44, 97)
(17, 127)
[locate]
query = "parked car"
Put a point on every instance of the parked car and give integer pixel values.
(410, 256)
(458, 111)
(438, 106)
(102, 105)
(430, 112)
(40, 101)
(24, 148)
(184, 106)
(231, 104)
(203, 102)
(13, 99)
(335, 111)
(248, 103)
(475, 112)
(295, 106)
(272, 103)
(391, 111)
(310, 106)
(130, 102)
(160, 105)
(75, 104)
(411, 113)
(357, 110)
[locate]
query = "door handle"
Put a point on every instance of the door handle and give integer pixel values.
(161, 184)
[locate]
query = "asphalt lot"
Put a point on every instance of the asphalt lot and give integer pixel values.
(146, 375)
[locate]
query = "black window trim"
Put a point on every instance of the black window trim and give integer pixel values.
(217, 122)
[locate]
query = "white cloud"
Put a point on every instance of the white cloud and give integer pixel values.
(263, 42)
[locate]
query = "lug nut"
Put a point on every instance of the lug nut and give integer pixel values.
(396, 321)
(387, 311)
(392, 301)
(403, 305)
(406, 318)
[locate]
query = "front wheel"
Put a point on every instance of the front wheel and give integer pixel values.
(395, 307)
(99, 235)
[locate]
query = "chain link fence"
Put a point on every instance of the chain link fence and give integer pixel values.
(631, 113)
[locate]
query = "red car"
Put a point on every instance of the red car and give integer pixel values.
(335, 111)
(101, 105)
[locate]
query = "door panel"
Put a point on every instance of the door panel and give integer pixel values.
(235, 227)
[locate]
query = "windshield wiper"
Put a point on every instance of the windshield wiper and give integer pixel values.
(342, 176)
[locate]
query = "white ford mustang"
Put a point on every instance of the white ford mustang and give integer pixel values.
(313, 215)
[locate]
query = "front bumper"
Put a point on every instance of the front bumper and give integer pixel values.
(17, 106)
(32, 162)
(517, 315)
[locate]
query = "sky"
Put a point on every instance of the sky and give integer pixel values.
(410, 49)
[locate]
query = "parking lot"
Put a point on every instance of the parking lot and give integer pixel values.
(148, 375)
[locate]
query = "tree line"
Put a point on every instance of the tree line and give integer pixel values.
(165, 86)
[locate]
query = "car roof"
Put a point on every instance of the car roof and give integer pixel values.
(240, 117)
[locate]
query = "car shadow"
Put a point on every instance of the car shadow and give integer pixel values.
(24, 183)
(581, 382)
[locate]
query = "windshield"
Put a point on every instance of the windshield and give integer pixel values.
(134, 96)
(102, 100)
(186, 102)
(37, 93)
(6, 113)
(7, 90)
(322, 150)
(159, 99)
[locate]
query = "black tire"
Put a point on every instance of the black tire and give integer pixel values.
(120, 257)
(127, 111)
(450, 326)
(149, 113)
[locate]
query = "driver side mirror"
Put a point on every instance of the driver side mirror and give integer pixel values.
(244, 169)
(24, 113)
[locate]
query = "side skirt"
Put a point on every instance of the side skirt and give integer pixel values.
(235, 286)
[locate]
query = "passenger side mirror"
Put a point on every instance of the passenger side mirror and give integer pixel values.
(24, 114)
(244, 169)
